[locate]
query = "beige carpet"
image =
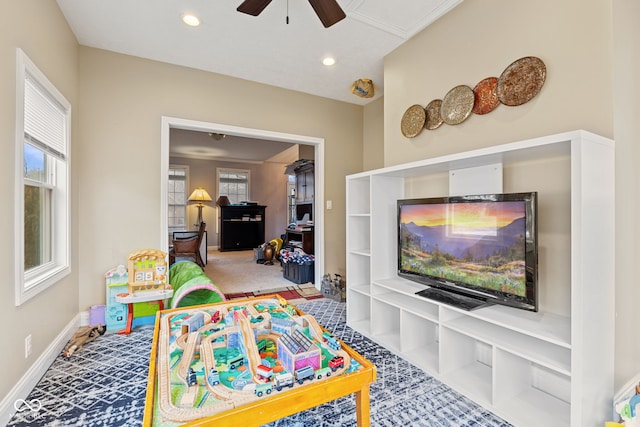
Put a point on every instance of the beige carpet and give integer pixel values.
(236, 272)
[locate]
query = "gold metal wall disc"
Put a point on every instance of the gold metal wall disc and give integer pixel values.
(486, 98)
(413, 121)
(457, 105)
(521, 81)
(434, 118)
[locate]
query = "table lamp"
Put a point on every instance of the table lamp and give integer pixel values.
(199, 195)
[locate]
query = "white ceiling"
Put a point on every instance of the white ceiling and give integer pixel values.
(264, 48)
(200, 145)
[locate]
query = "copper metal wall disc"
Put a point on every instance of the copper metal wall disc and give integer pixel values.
(434, 118)
(521, 81)
(413, 121)
(457, 105)
(486, 98)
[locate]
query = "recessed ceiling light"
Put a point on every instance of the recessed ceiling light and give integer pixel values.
(328, 61)
(191, 20)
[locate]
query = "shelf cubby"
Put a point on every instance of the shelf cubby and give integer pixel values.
(359, 234)
(462, 368)
(359, 196)
(419, 340)
(548, 354)
(359, 311)
(364, 289)
(531, 393)
(385, 324)
(360, 265)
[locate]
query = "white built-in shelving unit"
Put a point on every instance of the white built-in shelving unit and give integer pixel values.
(550, 368)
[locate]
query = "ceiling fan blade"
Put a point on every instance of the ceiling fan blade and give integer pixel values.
(329, 11)
(253, 7)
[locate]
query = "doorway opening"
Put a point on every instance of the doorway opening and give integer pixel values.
(169, 123)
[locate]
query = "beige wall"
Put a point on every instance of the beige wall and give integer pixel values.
(584, 90)
(626, 97)
(123, 99)
(373, 135)
(479, 39)
(271, 190)
(307, 152)
(39, 29)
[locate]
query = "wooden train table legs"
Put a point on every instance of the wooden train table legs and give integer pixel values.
(363, 410)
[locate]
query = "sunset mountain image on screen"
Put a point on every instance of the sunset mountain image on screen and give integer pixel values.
(479, 244)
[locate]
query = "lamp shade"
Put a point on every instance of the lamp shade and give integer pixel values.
(200, 195)
(222, 201)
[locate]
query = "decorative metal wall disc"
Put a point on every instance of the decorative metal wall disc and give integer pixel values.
(413, 121)
(434, 118)
(486, 98)
(457, 105)
(521, 81)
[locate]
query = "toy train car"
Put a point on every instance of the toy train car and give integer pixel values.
(331, 341)
(216, 317)
(213, 377)
(336, 363)
(263, 388)
(322, 372)
(191, 377)
(264, 372)
(236, 361)
(283, 380)
(304, 373)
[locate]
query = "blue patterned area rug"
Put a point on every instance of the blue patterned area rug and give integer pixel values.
(104, 384)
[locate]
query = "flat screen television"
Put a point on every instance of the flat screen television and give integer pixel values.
(471, 251)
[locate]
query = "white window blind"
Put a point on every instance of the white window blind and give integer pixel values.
(44, 119)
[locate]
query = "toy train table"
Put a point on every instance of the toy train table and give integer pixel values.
(246, 363)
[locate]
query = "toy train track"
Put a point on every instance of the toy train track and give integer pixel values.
(197, 343)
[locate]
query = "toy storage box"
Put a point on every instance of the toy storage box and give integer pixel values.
(96, 315)
(298, 273)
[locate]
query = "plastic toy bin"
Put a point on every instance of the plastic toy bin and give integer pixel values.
(298, 273)
(97, 315)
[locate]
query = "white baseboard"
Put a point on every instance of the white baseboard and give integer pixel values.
(22, 389)
(84, 318)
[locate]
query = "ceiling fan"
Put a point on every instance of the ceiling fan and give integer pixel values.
(329, 11)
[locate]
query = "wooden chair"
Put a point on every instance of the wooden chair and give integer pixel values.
(188, 247)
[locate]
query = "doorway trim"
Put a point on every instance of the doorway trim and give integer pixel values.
(169, 123)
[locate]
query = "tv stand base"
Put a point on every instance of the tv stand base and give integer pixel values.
(453, 299)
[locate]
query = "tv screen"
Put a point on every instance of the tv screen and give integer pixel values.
(480, 247)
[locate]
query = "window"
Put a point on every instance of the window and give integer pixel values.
(234, 184)
(177, 197)
(43, 120)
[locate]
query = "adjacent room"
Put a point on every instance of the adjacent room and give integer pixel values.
(240, 178)
(320, 213)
